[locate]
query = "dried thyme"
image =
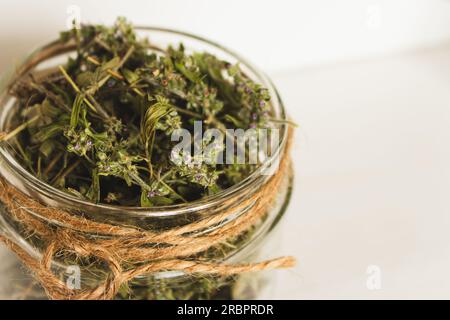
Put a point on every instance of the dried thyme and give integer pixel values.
(100, 126)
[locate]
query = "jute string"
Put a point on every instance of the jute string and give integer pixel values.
(121, 246)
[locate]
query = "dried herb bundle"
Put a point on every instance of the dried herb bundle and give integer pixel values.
(100, 126)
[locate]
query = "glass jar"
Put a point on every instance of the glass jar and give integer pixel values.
(250, 246)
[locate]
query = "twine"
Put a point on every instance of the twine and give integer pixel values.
(178, 248)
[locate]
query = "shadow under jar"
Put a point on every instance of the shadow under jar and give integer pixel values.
(253, 244)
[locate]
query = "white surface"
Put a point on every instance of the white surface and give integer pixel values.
(373, 181)
(274, 34)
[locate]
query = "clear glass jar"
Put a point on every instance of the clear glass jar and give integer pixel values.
(251, 246)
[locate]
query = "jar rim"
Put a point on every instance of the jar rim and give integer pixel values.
(168, 210)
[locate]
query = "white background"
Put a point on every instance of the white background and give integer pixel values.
(368, 82)
(275, 35)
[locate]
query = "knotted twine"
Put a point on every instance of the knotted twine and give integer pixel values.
(126, 244)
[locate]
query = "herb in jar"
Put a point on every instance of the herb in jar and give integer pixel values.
(100, 126)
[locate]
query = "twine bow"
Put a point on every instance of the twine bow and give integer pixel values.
(126, 245)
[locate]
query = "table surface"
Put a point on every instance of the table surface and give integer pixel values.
(372, 178)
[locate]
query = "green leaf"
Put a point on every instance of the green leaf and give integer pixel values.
(86, 79)
(154, 201)
(187, 73)
(52, 130)
(162, 201)
(145, 201)
(76, 107)
(234, 121)
(151, 118)
(111, 64)
(47, 148)
(130, 76)
(94, 190)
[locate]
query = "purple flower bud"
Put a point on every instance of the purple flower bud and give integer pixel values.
(262, 103)
(253, 126)
(254, 116)
(111, 83)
